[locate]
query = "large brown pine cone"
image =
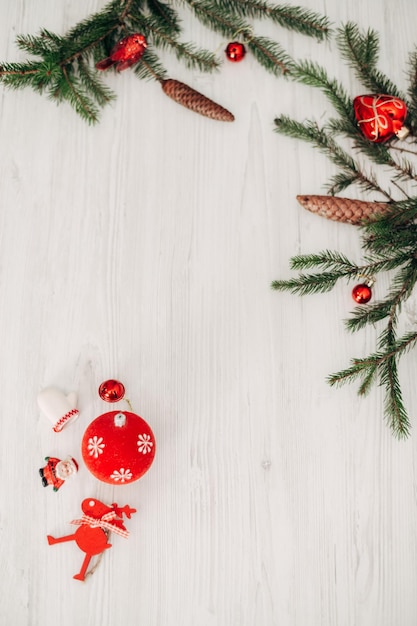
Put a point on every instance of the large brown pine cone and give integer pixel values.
(188, 97)
(342, 209)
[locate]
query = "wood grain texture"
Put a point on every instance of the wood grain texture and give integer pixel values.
(144, 249)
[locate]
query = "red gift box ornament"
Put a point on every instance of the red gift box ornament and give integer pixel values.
(118, 447)
(95, 526)
(381, 117)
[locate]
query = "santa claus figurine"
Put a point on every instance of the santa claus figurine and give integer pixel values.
(56, 472)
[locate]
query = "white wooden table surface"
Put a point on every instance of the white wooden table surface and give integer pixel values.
(143, 249)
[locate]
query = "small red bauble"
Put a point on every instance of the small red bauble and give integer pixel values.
(111, 391)
(362, 293)
(118, 447)
(235, 51)
(380, 117)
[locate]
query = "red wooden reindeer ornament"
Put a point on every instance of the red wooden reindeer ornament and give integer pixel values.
(94, 528)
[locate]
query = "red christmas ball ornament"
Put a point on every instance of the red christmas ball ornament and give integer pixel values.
(111, 391)
(118, 447)
(381, 117)
(235, 51)
(362, 293)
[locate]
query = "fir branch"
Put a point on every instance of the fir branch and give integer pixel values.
(378, 153)
(307, 284)
(381, 242)
(368, 314)
(91, 28)
(385, 264)
(70, 89)
(93, 85)
(166, 14)
(406, 343)
(402, 149)
(337, 266)
(214, 16)
(358, 367)
(35, 74)
(150, 67)
(327, 259)
(66, 57)
(389, 239)
(270, 55)
(40, 45)
(266, 51)
(400, 214)
(394, 408)
(361, 50)
(293, 18)
(193, 57)
(313, 75)
(393, 403)
(385, 369)
(384, 363)
(412, 90)
(323, 139)
(369, 378)
(342, 180)
(309, 131)
(402, 285)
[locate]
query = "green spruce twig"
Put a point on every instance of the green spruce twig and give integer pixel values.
(389, 240)
(64, 69)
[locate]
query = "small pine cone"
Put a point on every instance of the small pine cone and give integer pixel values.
(342, 209)
(188, 97)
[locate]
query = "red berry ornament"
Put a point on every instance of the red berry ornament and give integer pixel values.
(380, 117)
(235, 51)
(111, 391)
(125, 53)
(118, 447)
(362, 293)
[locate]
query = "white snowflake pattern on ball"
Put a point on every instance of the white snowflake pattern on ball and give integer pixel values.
(144, 443)
(121, 475)
(95, 446)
